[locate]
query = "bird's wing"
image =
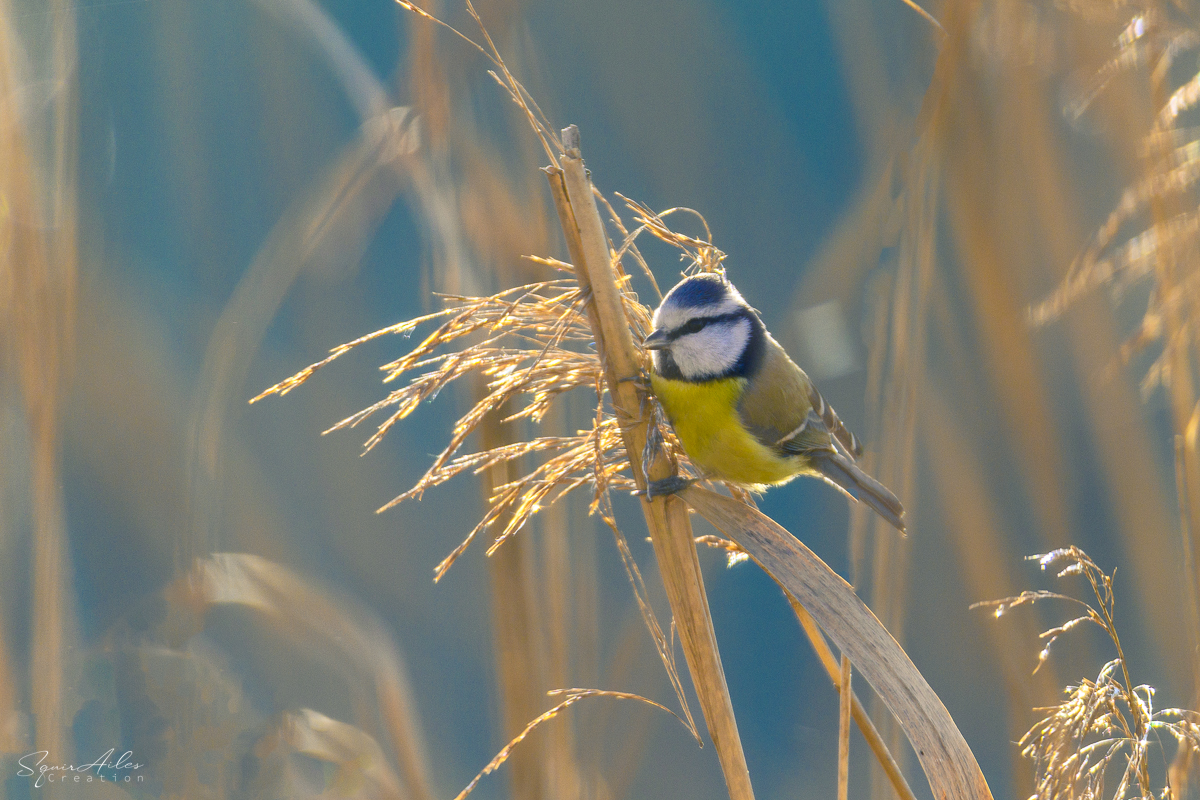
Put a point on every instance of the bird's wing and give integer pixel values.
(835, 426)
(821, 429)
(829, 456)
(809, 438)
(775, 404)
(783, 409)
(843, 473)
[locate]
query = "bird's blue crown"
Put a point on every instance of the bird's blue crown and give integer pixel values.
(699, 290)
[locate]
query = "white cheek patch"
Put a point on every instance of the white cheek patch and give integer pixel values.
(712, 351)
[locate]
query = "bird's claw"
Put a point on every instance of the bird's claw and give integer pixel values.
(666, 487)
(641, 381)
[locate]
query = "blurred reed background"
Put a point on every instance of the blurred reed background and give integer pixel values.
(198, 198)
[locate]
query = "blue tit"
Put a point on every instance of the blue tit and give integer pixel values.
(743, 411)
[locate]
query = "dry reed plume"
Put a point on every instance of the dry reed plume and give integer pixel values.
(531, 349)
(1106, 723)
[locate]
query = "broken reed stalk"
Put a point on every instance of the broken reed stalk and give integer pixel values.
(667, 518)
(845, 693)
(890, 768)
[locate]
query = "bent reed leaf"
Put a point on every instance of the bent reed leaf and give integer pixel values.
(362, 769)
(948, 762)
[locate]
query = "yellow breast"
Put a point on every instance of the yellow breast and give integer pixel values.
(706, 420)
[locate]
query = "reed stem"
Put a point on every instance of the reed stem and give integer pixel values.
(667, 518)
(845, 693)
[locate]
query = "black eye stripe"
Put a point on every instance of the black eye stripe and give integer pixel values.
(697, 324)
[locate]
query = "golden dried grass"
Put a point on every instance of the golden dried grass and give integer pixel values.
(572, 696)
(519, 347)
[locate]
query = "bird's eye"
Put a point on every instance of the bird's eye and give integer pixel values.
(693, 326)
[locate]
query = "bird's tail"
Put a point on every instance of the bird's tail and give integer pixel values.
(849, 477)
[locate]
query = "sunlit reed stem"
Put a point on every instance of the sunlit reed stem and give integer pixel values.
(667, 518)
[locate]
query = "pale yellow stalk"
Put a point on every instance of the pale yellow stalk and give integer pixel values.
(667, 518)
(845, 693)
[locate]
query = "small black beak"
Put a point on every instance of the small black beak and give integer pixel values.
(658, 340)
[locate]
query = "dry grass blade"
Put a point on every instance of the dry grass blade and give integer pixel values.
(1190, 578)
(326, 627)
(573, 696)
(925, 15)
(517, 631)
(948, 763)
(1179, 776)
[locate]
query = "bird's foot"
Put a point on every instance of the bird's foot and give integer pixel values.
(666, 486)
(641, 381)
